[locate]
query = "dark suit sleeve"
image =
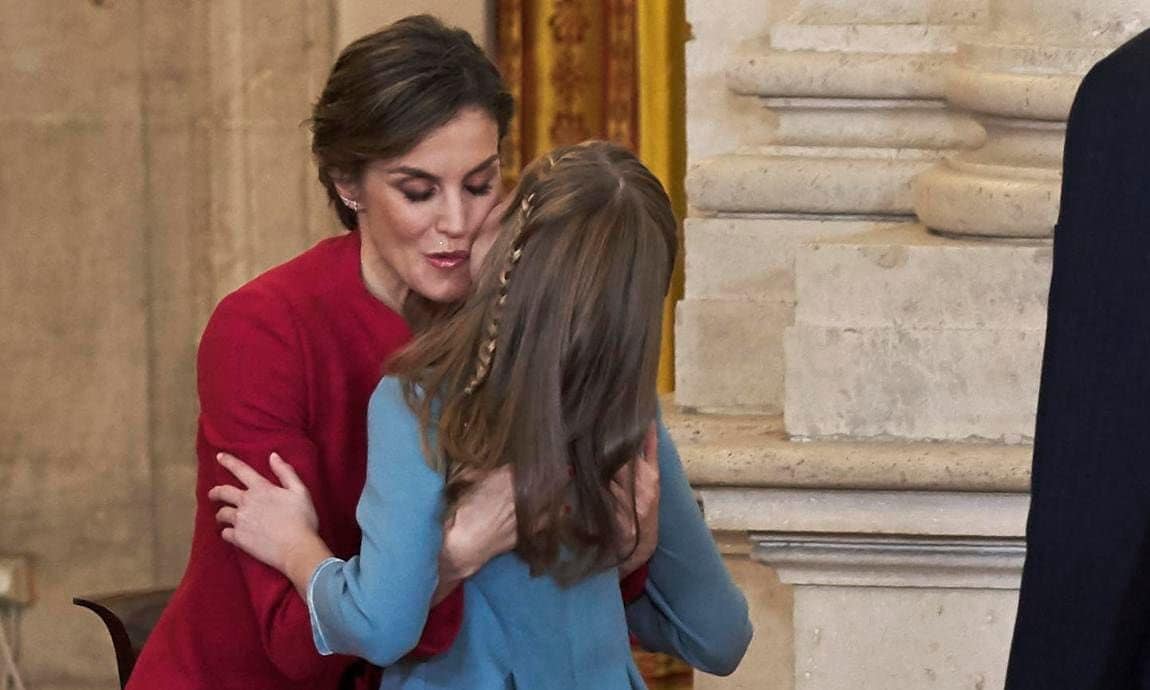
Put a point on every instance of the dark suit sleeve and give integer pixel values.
(1084, 608)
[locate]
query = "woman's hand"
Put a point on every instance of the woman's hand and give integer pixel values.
(646, 502)
(482, 528)
(274, 524)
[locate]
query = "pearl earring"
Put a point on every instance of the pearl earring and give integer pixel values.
(353, 205)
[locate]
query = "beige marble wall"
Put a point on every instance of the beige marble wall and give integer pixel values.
(356, 17)
(75, 472)
(232, 191)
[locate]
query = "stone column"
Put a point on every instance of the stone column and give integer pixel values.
(825, 117)
(948, 343)
(878, 611)
(822, 516)
(1019, 79)
(841, 106)
(884, 376)
(903, 335)
(906, 585)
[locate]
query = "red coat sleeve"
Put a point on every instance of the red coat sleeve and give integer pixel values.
(632, 585)
(253, 401)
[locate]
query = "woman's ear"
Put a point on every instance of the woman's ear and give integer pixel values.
(349, 191)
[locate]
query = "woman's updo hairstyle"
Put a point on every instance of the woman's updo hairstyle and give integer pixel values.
(390, 89)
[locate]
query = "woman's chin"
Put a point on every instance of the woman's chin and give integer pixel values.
(445, 291)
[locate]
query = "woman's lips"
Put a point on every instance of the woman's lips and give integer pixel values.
(449, 260)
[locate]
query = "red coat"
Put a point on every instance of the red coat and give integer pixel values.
(287, 363)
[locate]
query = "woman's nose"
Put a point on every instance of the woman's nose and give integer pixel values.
(452, 219)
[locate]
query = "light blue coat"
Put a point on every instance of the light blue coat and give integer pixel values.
(518, 631)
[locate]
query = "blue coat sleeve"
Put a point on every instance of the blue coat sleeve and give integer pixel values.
(374, 605)
(691, 608)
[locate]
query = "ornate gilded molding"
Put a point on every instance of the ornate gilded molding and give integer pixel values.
(622, 85)
(571, 65)
(510, 60)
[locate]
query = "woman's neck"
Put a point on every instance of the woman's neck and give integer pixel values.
(380, 279)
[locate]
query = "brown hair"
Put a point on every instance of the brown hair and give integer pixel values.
(390, 89)
(550, 365)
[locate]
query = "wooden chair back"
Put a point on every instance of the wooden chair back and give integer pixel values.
(129, 618)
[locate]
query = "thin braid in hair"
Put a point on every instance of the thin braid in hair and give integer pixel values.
(487, 350)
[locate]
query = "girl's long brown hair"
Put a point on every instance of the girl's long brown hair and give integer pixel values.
(550, 365)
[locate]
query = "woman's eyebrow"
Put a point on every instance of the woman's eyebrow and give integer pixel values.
(482, 166)
(413, 172)
(424, 175)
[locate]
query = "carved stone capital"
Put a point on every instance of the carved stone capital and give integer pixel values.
(892, 561)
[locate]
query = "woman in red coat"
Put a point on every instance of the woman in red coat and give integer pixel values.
(406, 138)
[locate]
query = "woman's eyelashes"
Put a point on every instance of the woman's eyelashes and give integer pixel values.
(418, 196)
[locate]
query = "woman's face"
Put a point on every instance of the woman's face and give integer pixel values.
(421, 212)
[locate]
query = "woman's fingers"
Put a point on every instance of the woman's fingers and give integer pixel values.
(226, 515)
(499, 480)
(619, 486)
(651, 444)
(242, 471)
(503, 480)
(647, 474)
(226, 493)
(287, 476)
(473, 475)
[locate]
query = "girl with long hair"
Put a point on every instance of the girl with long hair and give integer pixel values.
(548, 369)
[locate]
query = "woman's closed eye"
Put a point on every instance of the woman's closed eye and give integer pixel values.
(418, 196)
